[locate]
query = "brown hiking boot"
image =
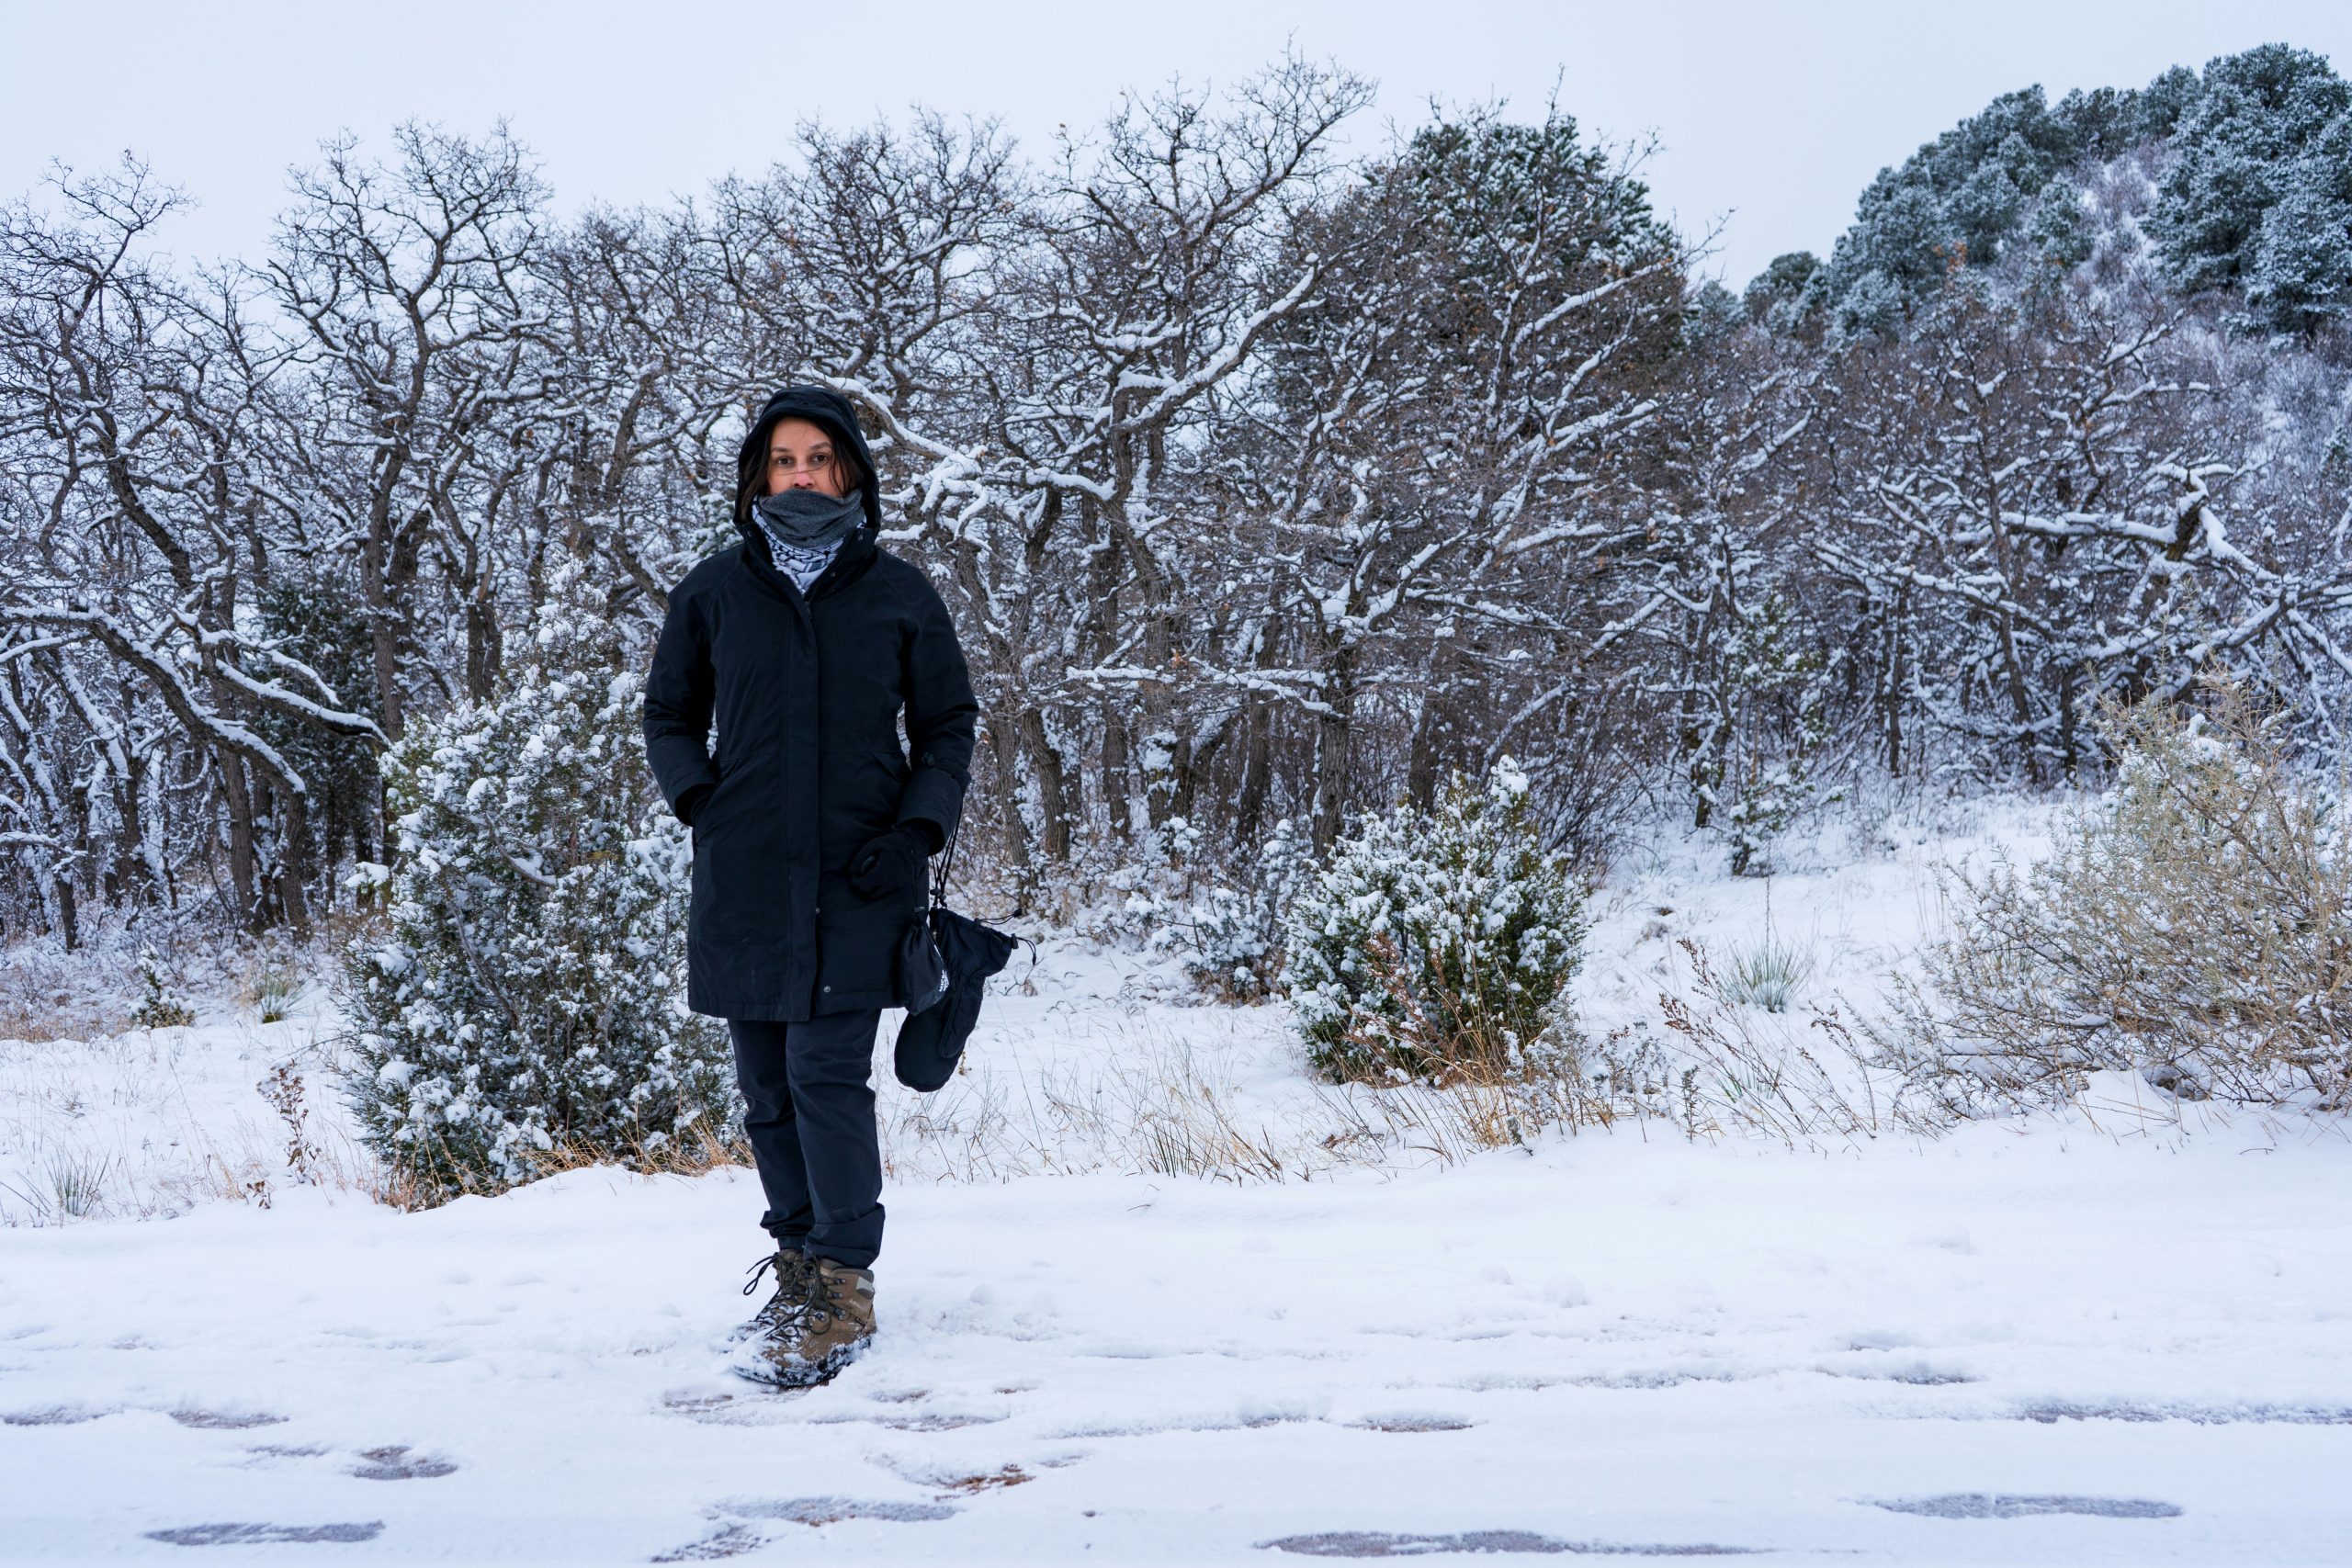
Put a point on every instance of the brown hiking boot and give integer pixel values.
(834, 1325)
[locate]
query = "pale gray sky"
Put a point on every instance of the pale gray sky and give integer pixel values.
(1770, 116)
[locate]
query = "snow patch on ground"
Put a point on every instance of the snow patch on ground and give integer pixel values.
(2120, 1335)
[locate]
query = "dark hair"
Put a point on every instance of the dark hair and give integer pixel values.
(751, 459)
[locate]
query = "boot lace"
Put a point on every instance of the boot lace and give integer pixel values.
(792, 1270)
(824, 1303)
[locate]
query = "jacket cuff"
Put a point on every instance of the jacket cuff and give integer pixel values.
(932, 796)
(691, 801)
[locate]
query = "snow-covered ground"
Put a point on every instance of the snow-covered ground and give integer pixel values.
(2121, 1335)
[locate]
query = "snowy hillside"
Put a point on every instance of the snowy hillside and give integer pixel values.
(2119, 1335)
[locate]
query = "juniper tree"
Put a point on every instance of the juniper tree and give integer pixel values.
(528, 992)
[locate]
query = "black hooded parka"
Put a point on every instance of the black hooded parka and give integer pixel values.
(806, 691)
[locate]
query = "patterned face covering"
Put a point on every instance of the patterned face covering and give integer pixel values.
(805, 528)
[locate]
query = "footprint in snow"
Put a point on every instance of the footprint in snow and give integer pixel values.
(732, 1541)
(1378, 1543)
(690, 1402)
(1663, 1378)
(833, 1510)
(935, 1422)
(2006, 1506)
(1411, 1421)
(765, 1407)
(226, 1420)
(927, 1421)
(987, 1481)
(1249, 1421)
(259, 1535)
(2052, 1411)
(53, 1416)
(1918, 1374)
(397, 1464)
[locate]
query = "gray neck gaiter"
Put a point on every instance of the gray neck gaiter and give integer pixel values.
(808, 519)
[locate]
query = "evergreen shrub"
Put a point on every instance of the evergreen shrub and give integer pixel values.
(163, 1005)
(527, 994)
(1434, 944)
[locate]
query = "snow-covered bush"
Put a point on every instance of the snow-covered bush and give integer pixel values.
(164, 1006)
(528, 995)
(1230, 939)
(1438, 941)
(2194, 924)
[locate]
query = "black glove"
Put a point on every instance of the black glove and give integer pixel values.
(891, 862)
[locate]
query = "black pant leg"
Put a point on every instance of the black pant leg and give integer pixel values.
(829, 1063)
(761, 1051)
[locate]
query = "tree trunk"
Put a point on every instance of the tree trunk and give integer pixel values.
(1003, 757)
(295, 836)
(240, 840)
(1430, 728)
(1114, 782)
(1257, 768)
(1054, 785)
(1332, 748)
(69, 919)
(383, 630)
(483, 648)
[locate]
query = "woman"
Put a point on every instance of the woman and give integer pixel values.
(812, 828)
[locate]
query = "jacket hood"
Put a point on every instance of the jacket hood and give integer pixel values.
(820, 406)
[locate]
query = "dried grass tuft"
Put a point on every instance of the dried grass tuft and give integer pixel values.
(2194, 925)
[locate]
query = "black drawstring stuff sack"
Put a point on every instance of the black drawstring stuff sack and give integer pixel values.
(944, 962)
(922, 970)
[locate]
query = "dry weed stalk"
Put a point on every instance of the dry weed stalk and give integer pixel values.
(1734, 1076)
(283, 1088)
